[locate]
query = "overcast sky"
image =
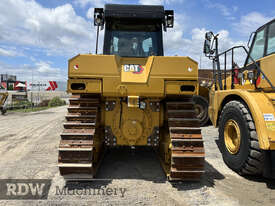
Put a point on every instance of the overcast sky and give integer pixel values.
(37, 37)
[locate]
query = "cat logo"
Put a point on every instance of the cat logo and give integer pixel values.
(134, 68)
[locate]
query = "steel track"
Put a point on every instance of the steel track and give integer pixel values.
(79, 152)
(186, 150)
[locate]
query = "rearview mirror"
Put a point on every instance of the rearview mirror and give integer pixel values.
(207, 43)
(208, 35)
(206, 47)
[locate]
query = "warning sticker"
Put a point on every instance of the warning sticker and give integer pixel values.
(270, 126)
(269, 117)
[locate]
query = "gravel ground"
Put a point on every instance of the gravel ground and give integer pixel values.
(28, 150)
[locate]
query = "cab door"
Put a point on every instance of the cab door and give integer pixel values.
(267, 63)
(263, 52)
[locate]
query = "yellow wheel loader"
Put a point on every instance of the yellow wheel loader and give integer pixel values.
(201, 100)
(243, 104)
(132, 95)
(3, 98)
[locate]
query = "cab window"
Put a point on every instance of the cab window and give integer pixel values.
(257, 50)
(271, 39)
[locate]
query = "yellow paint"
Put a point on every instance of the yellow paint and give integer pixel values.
(267, 65)
(259, 103)
(232, 136)
(112, 87)
(161, 76)
(204, 92)
(132, 77)
(174, 87)
(133, 101)
(270, 126)
(131, 125)
(159, 73)
(272, 145)
(92, 85)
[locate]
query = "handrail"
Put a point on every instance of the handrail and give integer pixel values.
(216, 58)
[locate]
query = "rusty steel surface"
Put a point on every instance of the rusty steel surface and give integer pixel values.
(76, 148)
(187, 151)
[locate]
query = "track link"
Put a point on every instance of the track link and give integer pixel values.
(186, 149)
(80, 147)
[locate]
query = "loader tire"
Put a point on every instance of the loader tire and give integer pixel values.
(201, 108)
(247, 158)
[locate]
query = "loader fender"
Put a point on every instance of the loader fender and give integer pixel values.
(261, 108)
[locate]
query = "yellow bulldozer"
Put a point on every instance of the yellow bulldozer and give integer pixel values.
(243, 105)
(132, 95)
(3, 98)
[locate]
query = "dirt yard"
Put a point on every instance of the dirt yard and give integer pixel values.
(28, 150)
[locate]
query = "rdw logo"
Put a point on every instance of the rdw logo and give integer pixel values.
(24, 189)
(135, 68)
(53, 86)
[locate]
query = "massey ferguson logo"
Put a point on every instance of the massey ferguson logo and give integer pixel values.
(135, 68)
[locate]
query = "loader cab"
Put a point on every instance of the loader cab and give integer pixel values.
(133, 30)
(263, 43)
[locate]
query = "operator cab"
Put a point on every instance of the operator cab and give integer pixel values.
(133, 30)
(133, 40)
(263, 43)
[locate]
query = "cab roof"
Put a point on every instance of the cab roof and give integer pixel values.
(128, 11)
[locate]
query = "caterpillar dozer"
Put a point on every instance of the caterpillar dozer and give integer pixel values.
(243, 104)
(3, 98)
(132, 95)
